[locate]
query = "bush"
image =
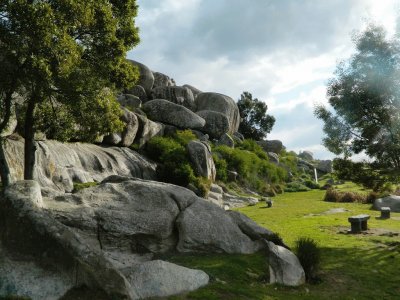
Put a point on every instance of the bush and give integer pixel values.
(332, 195)
(252, 146)
(174, 165)
(311, 184)
(309, 256)
(295, 187)
(81, 186)
(222, 168)
(254, 172)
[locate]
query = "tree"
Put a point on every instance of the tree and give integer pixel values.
(365, 97)
(68, 56)
(255, 123)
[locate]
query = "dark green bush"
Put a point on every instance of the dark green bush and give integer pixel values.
(174, 165)
(309, 256)
(311, 184)
(295, 187)
(252, 146)
(222, 168)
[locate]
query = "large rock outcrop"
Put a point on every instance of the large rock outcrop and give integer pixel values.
(167, 112)
(220, 103)
(176, 94)
(59, 165)
(217, 124)
(161, 79)
(146, 78)
(147, 130)
(64, 256)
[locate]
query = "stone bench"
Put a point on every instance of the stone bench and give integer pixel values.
(358, 223)
(385, 212)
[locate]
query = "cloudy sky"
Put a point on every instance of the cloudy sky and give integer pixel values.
(281, 51)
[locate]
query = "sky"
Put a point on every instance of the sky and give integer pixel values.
(281, 51)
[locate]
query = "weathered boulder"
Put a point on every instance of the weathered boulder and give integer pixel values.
(217, 123)
(274, 146)
(194, 90)
(226, 140)
(249, 227)
(220, 103)
(146, 78)
(161, 79)
(112, 139)
(239, 201)
(158, 278)
(59, 165)
(138, 91)
(307, 155)
(202, 160)
(29, 231)
(325, 166)
(147, 130)
(175, 94)
(284, 266)
(129, 101)
(391, 201)
(205, 227)
(131, 127)
(167, 112)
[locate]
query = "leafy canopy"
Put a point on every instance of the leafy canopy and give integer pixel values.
(256, 123)
(67, 58)
(365, 97)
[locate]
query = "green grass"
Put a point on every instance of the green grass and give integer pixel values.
(364, 266)
(81, 186)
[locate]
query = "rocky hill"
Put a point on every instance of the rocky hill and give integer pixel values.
(108, 237)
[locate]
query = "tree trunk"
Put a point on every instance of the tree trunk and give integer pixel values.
(4, 169)
(30, 147)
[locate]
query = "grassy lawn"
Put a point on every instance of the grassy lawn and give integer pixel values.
(363, 266)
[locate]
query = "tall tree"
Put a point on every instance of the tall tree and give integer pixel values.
(255, 123)
(365, 97)
(68, 55)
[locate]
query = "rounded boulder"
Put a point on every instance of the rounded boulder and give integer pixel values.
(167, 112)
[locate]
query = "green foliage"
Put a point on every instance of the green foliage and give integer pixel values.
(367, 174)
(311, 184)
(256, 123)
(80, 186)
(364, 96)
(221, 167)
(254, 172)
(309, 256)
(67, 59)
(252, 146)
(295, 187)
(174, 165)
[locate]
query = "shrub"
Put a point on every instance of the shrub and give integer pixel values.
(222, 168)
(309, 256)
(332, 195)
(254, 172)
(371, 197)
(174, 165)
(311, 184)
(295, 187)
(252, 146)
(81, 186)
